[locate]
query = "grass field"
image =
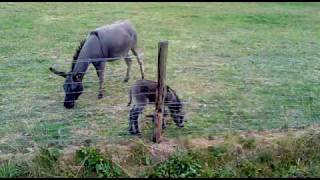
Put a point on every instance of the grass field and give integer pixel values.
(238, 67)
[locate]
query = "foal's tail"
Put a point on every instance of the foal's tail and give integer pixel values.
(130, 98)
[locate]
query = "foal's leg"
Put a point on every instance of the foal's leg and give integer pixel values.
(128, 61)
(165, 114)
(140, 61)
(153, 117)
(133, 119)
(99, 66)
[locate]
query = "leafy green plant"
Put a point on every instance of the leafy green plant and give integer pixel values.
(218, 151)
(47, 157)
(181, 165)
(93, 161)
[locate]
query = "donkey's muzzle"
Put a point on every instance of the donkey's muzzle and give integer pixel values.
(180, 125)
(68, 105)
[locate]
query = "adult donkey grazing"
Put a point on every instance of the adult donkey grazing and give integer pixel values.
(106, 43)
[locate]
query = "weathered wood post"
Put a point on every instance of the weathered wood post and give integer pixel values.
(161, 93)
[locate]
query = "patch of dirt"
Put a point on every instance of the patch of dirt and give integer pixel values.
(14, 145)
(69, 153)
(162, 151)
(83, 135)
(203, 143)
(119, 152)
(3, 139)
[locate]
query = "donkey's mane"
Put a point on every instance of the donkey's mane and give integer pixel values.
(76, 54)
(175, 94)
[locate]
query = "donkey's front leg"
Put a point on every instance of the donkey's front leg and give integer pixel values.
(133, 119)
(100, 72)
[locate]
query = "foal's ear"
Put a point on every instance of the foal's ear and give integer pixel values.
(77, 77)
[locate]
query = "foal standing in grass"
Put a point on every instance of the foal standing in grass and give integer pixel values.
(143, 92)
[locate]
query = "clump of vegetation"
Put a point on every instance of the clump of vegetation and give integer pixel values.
(247, 143)
(11, 169)
(47, 157)
(286, 157)
(181, 165)
(289, 157)
(97, 164)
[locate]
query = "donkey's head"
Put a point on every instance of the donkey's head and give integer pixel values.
(72, 87)
(176, 108)
(73, 84)
(177, 114)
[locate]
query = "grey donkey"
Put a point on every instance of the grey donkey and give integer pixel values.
(143, 92)
(110, 41)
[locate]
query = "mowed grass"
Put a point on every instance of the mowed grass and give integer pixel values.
(237, 66)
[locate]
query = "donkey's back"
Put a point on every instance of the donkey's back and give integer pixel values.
(142, 91)
(117, 39)
(118, 25)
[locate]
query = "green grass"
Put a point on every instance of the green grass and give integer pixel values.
(239, 66)
(11, 170)
(93, 161)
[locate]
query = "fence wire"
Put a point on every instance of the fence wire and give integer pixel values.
(215, 96)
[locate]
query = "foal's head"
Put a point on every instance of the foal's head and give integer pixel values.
(176, 108)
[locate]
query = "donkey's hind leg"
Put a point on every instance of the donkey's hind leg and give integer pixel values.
(128, 61)
(140, 61)
(153, 119)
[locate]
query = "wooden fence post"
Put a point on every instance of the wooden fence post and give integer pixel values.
(161, 92)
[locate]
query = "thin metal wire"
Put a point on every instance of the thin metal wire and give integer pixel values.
(187, 69)
(32, 120)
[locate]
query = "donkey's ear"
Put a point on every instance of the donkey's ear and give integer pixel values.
(168, 89)
(59, 73)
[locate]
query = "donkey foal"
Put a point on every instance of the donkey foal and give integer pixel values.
(143, 92)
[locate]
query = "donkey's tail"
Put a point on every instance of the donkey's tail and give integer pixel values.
(130, 98)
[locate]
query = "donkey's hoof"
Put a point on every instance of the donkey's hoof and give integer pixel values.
(125, 79)
(100, 96)
(139, 134)
(136, 133)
